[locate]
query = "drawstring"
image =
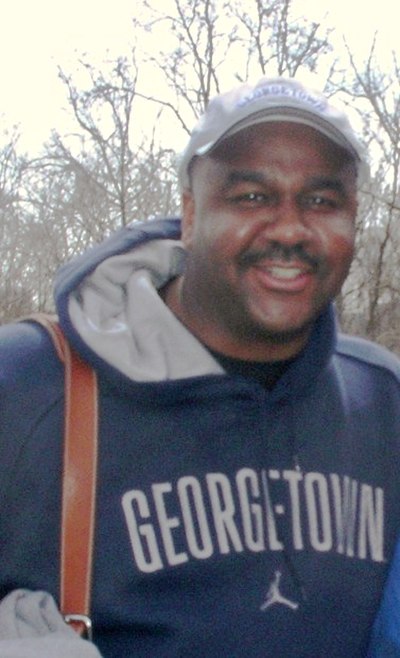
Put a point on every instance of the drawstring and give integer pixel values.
(282, 527)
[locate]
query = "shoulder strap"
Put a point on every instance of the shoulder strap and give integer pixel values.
(79, 480)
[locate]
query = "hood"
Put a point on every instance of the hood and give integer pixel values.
(109, 306)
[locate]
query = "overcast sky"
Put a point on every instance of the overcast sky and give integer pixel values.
(36, 35)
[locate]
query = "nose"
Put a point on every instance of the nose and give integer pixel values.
(286, 223)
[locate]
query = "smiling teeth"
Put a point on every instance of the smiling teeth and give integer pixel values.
(285, 272)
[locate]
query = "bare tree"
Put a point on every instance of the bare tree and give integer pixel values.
(279, 42)
(103, 113)
(15, 291)
(376, 271)
(191, 66)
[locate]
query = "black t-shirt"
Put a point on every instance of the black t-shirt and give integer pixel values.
(266, 373)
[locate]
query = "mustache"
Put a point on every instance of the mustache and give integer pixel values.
(279, 252)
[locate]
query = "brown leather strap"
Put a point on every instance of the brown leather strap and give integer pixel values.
(79, 480)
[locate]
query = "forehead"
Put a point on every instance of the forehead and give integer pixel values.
(284, 145)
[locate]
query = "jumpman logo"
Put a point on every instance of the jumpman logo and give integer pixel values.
(274, 595)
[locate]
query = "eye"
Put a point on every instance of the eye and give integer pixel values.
(322, 201)
(252, 199)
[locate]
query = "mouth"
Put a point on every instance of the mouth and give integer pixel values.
(279, 268)
(283, 277)
(286, 273)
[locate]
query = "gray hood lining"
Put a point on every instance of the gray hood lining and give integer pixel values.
(119, 314)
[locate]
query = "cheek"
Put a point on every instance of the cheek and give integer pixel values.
(231, 232)
(339, 252)
(217, 232)
(337, 241)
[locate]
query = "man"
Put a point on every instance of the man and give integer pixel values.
(248, 481)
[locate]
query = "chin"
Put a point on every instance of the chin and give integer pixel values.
(274, 333)
(281, 332)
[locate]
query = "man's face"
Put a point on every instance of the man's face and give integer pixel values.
(269, 230)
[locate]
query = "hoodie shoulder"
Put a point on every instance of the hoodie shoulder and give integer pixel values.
(368, 353)
(31, 394)
(26, 354)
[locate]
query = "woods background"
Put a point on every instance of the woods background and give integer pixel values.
(131, 119)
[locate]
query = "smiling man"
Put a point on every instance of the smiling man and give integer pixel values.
(249, 454)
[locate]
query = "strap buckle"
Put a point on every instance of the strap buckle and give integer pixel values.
(81, 620)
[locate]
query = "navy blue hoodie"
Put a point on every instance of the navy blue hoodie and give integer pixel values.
(231, 520)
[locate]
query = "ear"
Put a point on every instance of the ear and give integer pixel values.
(188, 218)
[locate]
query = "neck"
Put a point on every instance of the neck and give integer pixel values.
(217, 338)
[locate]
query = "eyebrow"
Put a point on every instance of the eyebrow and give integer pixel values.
(316, 183)
(327, 183)
(245, 176)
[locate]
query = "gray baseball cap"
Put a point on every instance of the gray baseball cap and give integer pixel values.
(270, 99)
